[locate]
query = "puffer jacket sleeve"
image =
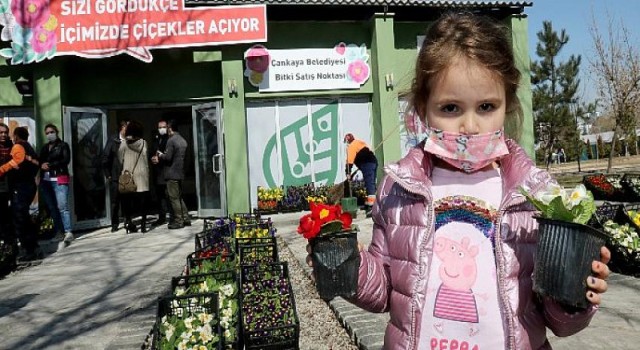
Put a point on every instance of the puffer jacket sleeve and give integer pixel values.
(374, 286)
(562, 323)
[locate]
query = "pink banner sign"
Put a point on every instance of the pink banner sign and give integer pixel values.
(42, 29)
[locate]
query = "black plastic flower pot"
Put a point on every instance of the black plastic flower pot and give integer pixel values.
(563, 260)
(336, 261)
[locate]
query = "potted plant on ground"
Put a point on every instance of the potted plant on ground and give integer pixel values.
(624, 244)
(334, 250)
(566, 245)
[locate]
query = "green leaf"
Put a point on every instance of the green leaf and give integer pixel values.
(557, 211)
(6, 52)
(584, 211)
(536, 203)
(4, 6)
(30, 56)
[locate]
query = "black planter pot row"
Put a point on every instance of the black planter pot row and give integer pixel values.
(295, 197)
(614, 187)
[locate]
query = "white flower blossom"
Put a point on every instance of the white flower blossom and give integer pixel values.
(169, 331)
(206, 334)
(552, 191)
(578, 194)
(188, 322)
(180, 291)
(205, 318)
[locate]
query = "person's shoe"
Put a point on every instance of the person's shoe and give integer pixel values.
(114, 228)
(68, 237)
(59, 237)
(30, 256)
(175, 226)
(130, 227)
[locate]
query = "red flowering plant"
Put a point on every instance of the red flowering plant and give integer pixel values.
(324, 219)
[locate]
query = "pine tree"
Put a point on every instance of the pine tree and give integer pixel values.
(554, 92)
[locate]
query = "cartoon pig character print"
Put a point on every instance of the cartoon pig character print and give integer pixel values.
(455, 300)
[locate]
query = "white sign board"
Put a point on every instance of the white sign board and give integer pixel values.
(341, 67)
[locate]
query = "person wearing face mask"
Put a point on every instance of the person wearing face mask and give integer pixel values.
(55, 157)
(7, 234)
(359, 153)
(173, 172)
(134, 158)
(112, 167)
(160, 146)
(21, 170)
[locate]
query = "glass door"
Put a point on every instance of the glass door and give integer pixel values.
(85, 130)
(209, 154)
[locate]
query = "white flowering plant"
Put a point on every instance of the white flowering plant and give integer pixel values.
(625, 240)
(227, 303)
(188, 330)
(557, 203)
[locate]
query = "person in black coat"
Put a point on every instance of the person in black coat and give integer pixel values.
(160, 145)
(22, 170)
(55, 157)
(112, 167)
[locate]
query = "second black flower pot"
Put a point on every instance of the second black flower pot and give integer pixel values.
(563, 260)
(336, 261)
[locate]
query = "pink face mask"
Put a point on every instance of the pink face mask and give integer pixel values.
(468, 153)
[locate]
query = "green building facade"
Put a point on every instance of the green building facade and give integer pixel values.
(240, 135)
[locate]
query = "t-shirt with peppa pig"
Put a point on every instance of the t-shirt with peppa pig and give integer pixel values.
(462, 309)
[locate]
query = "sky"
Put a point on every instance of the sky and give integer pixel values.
(575, 16)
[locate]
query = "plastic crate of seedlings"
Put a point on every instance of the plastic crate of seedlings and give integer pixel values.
(607, 211)
(246, 218)
(226, 284)
(212, 258)
(631, 215)
(194, 314)
(269, 316)
(293, 200)
(268, 199)
(259, 230)
(212, 235)
(252, 251)
(631, 184)
(604, 186)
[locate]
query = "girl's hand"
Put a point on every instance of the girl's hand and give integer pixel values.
(598, 283)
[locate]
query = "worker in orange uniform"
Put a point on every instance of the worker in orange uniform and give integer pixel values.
(359, 153)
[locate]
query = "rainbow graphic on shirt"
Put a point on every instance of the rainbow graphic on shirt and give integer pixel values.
(466, 210)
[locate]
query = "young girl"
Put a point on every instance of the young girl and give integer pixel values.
(453, 245)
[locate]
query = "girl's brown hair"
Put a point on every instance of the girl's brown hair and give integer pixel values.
(474, 37)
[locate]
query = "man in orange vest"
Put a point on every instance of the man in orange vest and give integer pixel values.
(359, 153)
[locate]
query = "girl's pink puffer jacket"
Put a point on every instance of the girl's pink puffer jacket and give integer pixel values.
(393, 273)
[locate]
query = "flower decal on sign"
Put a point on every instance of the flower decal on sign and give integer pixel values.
(357, 57)
(257, 62)
(30, 27)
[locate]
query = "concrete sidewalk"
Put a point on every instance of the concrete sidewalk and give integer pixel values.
(615, 326)
(98, 293)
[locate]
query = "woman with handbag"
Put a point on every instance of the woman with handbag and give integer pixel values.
(133, 183)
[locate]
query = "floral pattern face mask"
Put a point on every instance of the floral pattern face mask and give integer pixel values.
(468, 153)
